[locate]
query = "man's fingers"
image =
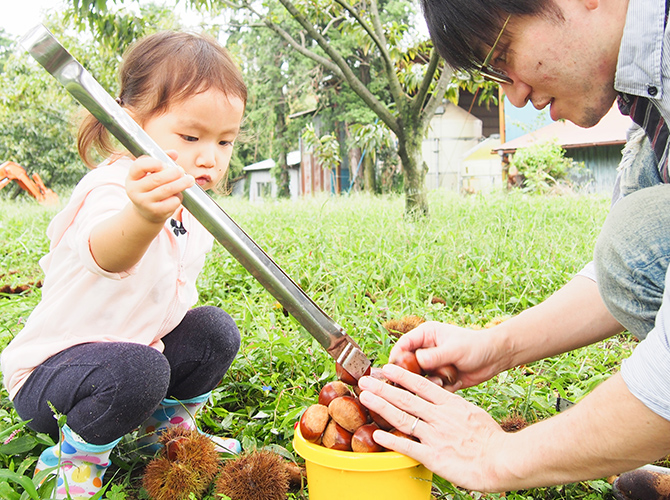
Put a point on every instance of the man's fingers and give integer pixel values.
(402, 445)
(399, 419)
(422, 387)
(421, 337)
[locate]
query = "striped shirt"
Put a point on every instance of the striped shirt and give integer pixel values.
(643, 80)
(644, 109)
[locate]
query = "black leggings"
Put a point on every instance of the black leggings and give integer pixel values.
(107, 389)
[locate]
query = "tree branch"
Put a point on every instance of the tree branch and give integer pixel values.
(394, 84)
(428, 76)
(356, 85)
(326, 63)
(370, 31)
(438, 93)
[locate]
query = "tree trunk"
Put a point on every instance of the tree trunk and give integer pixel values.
(282, 170)
(414, 171)
(369, 176)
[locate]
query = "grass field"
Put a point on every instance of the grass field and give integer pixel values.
(482, 257)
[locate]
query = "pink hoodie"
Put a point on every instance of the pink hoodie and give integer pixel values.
(83, 303)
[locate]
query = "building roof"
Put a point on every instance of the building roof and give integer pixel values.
(292, 159)
(611, 130)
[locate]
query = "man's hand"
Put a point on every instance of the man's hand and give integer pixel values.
(476, 354)
(456, 437)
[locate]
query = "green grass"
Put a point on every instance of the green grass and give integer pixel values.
(486, 256)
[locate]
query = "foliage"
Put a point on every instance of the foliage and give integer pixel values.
(357, 49)
(38, 118)
(544, 168)
(326, 148)
(6, 45)
(363, 263)
(280, 83)
(371, 137)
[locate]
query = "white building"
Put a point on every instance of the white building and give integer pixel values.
(262, 183)
(453, 135)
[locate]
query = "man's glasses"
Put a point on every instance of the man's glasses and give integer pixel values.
(489, 72)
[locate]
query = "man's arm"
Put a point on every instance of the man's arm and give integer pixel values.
(609, 431)
(572, 317)
(575, 316)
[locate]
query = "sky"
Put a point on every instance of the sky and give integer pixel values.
(17, 17)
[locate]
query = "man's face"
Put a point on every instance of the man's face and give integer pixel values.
(568, 64)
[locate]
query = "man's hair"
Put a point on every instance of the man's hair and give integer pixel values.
(462, 29)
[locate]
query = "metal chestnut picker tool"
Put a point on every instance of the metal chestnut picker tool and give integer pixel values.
(47, 51)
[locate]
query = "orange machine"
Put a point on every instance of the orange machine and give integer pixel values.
(10, 171)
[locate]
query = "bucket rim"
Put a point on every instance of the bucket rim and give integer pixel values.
(349, 460)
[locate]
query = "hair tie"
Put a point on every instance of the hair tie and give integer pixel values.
(119, 101)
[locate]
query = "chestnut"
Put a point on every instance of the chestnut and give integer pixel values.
(379, 420)
(362, 441)
(401, 434)
(408, 361)
(348, 412)
(313, 422)
(336, 437)
(347, 377)
(333, 390)
(174, 447)
(448, 373)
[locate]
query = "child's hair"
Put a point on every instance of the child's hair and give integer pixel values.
(159, 71)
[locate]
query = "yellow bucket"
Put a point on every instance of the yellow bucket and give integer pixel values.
(340, 475)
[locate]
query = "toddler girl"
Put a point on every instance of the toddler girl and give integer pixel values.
(114, 344)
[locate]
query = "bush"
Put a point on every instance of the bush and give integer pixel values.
(543, 168)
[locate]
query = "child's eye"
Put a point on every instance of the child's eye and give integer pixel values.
(189, 138)
(225, 143)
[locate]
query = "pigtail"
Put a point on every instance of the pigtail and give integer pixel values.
(92, 136)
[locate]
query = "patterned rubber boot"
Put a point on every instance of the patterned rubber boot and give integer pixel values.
(172, 413)
(82, 465)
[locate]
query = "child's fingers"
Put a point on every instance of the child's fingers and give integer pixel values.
(144, 165)
(148, 174)
(149, 191)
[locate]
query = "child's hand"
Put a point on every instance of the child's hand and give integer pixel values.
(155, 188)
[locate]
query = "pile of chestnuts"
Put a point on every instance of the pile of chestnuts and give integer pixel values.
(339, 421)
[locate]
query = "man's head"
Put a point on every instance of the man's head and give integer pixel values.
(462, 30)
(561, 53)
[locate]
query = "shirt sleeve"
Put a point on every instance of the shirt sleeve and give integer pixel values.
(588, 271)
(647, 371)
(100, 204)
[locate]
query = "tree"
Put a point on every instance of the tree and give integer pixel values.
(6, 44)
(406, 113)
(38, 118)
(318, 30)
(370, 138)
(361, 50)
(279, 81)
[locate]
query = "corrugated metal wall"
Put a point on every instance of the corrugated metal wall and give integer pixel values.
(602, 161)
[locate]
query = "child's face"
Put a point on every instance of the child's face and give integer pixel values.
(202, 129)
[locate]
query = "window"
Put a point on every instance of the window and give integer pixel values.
(264, 189)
